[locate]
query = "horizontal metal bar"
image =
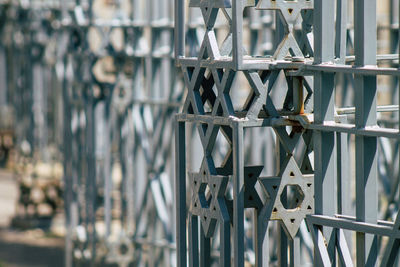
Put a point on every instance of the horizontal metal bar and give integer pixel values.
(331, 126)
(365, 71)
(229, 121)
(351, 129)
(352, 110)
(295, 120)
(382, 57)
(300, 68)
(352, 218)
(249, 63)
(361, 227)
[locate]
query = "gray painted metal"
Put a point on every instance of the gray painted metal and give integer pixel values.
(281, 99)
(209, 77)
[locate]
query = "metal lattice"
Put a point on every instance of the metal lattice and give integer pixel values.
(318, 53)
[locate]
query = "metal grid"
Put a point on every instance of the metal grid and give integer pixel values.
(219, 196)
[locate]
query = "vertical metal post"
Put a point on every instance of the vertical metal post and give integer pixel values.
(68, 176)
(344, 199)
(398, 93)
(91, 174)
(366, 147)
(341, 30)
(205, 249)
(324, 108)
(3, 76)
(260, 242)
(237, 26)
(283, 240)
(324, 104)
(180, 193)
(238, 194)
(295, 252)
(179, 29)
(107, 166)
(194, 243)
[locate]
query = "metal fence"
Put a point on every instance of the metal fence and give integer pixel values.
(286, 142)
(323, 51)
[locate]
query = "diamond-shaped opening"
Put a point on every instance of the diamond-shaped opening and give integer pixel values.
(292, 196)
(279, 90)
(195, 154)
(287, 97)
(222, 148)
(294, 98)
(241, 92)
(208, 92)
(222, 33)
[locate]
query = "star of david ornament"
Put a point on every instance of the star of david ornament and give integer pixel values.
(208, 199)
(304, 200)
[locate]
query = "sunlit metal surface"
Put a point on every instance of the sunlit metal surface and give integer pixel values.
(324, 49)
(286, 141)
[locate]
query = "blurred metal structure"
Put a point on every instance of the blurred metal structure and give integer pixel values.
(122, 99)
(29, 108)
(111, 65)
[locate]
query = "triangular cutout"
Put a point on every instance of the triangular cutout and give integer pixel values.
(288, 46)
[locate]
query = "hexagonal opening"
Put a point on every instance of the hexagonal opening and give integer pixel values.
(208, 92)
(240, 92)
(292, 197)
